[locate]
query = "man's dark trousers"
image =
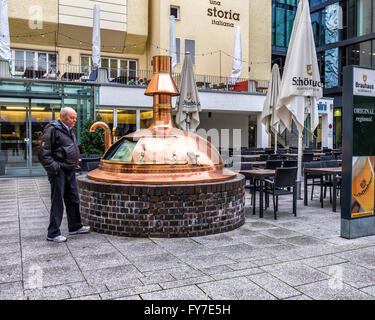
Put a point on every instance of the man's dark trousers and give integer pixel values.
(64, 189)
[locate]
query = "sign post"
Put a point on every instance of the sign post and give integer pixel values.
(358, 185)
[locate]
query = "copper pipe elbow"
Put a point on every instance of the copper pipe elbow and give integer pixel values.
(107, 133)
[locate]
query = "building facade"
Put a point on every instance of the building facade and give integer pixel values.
(52, 65)
(344, 33)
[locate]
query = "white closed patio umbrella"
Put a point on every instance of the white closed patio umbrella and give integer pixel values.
(172, 42)
(269, 116)
(301, 87)
(237, 56)
(96, 37)
(5, 52)
(187, 103)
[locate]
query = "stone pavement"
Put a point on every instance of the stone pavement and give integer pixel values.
(300, 257)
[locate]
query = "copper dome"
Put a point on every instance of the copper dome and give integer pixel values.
(161, 154)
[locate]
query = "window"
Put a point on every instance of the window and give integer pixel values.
(116, 67)
(34, 60)
(175, 11)
(190, 47)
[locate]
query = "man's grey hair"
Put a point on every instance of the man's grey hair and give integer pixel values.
(65, 111)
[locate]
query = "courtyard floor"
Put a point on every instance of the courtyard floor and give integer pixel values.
(295, 258)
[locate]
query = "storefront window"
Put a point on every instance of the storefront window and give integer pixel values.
(146, 119)
(22, 120)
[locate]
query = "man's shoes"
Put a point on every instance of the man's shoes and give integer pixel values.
(83, 229)
(58, 239)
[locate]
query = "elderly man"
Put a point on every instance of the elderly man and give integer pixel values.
(59, 156)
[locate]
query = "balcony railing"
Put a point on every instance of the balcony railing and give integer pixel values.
(70, 72)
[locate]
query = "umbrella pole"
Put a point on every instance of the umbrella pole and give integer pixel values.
(299, 171)
(275, 142)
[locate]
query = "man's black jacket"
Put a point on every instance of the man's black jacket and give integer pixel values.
(58, 149)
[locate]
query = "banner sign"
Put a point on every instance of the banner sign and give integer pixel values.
(363, 157)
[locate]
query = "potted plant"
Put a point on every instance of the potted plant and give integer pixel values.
(92, 145)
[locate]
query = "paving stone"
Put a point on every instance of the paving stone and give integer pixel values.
(10, 273)
(362, 257)
(91, 297)
(369, 290)
(207, 261)
(279, 233)
(140, 249)
(80, 289)
(242, 265)
(294, 273)
(114, 278)
(100, 261)
(11, 258)
(303, 241)
(300, 297)
(155, 262)
(88, 249)
(185, 282)
(50, 293)
(273, 285)
(182, 293)
(51, 276)
(324, 290)
(217, 240)
(237, 273)
(154, 277)
(129, 298)
(260, 241)
(11, 291)
(216, 269)
(352, 274)
(322, 261)
(235, 289)
(239, 251)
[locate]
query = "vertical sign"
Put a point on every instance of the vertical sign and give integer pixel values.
(358, 190)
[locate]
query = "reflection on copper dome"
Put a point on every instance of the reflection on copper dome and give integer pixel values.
(161, 154)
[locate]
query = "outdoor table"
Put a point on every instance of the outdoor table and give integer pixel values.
(72, 75)
(323, 171)
(248, 156)
(256, 163)
(259, 174)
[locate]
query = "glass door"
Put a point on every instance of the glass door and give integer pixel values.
(41, 113)
(13, 136)
(22, 122)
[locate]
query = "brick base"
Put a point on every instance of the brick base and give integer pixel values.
(162, 211)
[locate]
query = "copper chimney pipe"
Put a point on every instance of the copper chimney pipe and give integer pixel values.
(107, 133)
(162, 88)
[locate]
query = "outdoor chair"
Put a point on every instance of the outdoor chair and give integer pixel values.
(327, 180)
(284, 178)
(249, 181)
(273, 157)
(325, 158)
(263, 157)
(273, 164)
(307, 157)
(269, 150)
(314, 177)
(290, 163)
